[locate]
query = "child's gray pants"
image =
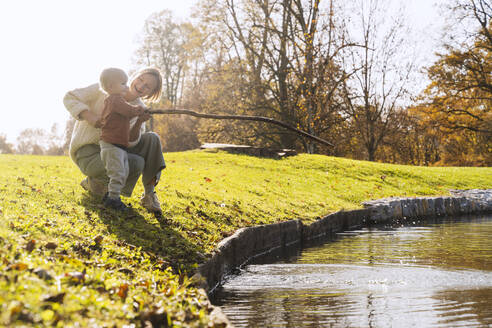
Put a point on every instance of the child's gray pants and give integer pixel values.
(145, 159)
(115, 161)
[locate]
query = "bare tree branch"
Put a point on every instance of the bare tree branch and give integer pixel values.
(240, 117)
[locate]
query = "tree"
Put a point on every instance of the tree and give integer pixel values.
(383, 68)
(55, 143)
(284, 54)
(170, 46)
(458, 100)
(5, 147)
(40, 142)
(411, 142)
(318, 71)
(173, 47)
(29, 141)
(460, 94)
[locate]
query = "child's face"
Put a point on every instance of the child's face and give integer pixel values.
(118, 85)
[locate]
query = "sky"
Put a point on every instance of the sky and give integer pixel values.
(52, 46)
(49, 47)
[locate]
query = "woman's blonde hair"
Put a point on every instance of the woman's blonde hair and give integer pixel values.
(155, 95)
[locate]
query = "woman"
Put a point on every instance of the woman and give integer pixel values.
(144, 152)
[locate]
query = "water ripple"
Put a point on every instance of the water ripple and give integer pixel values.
(438, 275)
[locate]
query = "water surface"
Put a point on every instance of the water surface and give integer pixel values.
(432, 275)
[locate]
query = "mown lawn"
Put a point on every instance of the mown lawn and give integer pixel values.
(67, 261)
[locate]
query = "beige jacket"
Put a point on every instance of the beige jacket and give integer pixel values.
(90, 98)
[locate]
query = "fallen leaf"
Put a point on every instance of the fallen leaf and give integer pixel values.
(17, 266)
(25, 316)
(101, 290)
(144, 283)
(30, 245)
(81, 249)
(51, 245)
(98, 240)
(123, 291)
(126, 271)
(17, 308)
(18, 312)
(58, 298)
(43, 274)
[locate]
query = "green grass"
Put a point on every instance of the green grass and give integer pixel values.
(65, 259)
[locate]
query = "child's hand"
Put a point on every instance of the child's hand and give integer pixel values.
(141, 110)
(144, 117)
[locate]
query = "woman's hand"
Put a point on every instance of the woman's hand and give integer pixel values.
(91, 118)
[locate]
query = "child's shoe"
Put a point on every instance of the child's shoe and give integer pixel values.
(115, 204)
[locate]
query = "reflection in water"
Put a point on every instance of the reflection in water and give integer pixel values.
(457, 307)
(437, 275)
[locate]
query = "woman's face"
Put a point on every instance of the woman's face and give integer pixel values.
(142, 86)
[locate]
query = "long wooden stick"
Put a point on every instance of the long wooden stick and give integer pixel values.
(239, 117)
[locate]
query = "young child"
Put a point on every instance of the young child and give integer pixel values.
(115, 133)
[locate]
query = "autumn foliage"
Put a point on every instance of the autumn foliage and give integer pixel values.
(299, 62)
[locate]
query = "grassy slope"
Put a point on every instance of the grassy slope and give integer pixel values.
(132, 264)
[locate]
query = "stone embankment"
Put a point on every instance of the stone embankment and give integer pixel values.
(248, 243)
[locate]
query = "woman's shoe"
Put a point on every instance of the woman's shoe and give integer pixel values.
(94, 186)
(151, 203)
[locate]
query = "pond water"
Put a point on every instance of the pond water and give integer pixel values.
(425, 275)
